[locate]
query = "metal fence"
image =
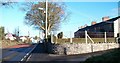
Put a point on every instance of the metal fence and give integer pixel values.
(89, 37)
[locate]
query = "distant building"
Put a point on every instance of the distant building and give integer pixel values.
(10, 36)
(34, 40)
(23, 38)
(110, 26)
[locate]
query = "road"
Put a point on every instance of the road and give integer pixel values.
(16, 53)
(39, 55)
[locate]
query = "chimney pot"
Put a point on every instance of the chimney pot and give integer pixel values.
(93, 22)
(105, 18)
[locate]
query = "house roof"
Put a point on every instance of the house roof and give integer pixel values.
(97, 24)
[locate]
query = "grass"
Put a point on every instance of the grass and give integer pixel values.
(82, 40)
(109, 57)
(8, 43)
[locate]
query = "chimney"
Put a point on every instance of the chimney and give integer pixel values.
(85, 25)
(105, 18)
(82, 27)
(93, 22)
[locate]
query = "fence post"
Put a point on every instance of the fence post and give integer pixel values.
(90, 38)
(105, 37)
(56, 40)
(52, 37)
(86, 36)
(70, 37)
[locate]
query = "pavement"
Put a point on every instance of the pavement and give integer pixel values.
(39, 55)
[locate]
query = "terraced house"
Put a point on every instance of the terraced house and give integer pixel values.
(96, 30)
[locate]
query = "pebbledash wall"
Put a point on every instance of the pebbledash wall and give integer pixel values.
(75, 48)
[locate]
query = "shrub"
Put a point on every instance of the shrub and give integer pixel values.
(60, 35)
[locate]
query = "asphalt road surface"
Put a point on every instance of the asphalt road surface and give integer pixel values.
(16, 53)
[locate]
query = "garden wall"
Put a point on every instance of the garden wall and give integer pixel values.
(79, 48)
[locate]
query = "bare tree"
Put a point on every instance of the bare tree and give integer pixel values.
(7, 4)
(2, 32)
(56, 15)
(12, 4)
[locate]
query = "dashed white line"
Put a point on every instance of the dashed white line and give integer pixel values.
(29, 57)
(22, 59)
(28, 53)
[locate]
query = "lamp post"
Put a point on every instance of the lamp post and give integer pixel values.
(45, 18)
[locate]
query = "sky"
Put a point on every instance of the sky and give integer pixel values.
(85, 12)
(81, 13)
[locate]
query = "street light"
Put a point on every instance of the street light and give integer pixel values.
(46, 18)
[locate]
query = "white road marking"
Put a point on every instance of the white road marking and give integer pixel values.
(22, 59)
(28, 54)
(28, 57)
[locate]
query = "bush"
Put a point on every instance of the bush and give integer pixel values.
(60, 35)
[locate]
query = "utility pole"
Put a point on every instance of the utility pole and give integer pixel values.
(46, 20)
(18, 34)
(45, 10)
(28, 34)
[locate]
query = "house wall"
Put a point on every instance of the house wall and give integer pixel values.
(102, 27)
(119, 25)
(97, 31)
(116, 27)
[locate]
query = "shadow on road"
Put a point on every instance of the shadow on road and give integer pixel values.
(40, 48)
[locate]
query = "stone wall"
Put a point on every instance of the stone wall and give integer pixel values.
(82, 48)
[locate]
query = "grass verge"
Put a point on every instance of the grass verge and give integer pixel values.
(109, 57)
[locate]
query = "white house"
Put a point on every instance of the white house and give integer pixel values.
(116, 27)
(23, 38)
(10, 36)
